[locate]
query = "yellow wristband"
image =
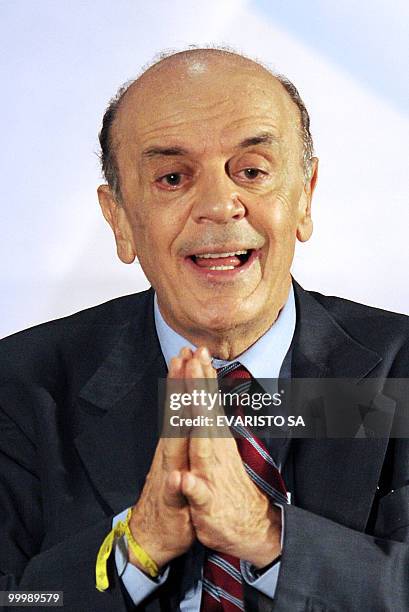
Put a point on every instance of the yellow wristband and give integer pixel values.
(121, 529)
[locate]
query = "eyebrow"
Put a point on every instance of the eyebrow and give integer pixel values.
(166, 151)
(263, 138)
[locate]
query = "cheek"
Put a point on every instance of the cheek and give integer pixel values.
(139, 221)
(277, 217)
(140, 232)
(154, 230)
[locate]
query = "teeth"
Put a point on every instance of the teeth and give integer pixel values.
(220, 268)
(217, 255)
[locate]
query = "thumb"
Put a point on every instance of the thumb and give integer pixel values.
(195, 490)
(173, 496)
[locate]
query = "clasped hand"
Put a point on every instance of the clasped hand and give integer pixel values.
(198, 488)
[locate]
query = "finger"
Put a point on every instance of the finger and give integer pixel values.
(194, 368)
(195, 491)
(201, 377)
(173, 495)
(176, 367)
(214, 402)
(177, 364)
(193, 374)
(175, 387)
(196, 385)
(200, 373)
(186, 353)
(201, 453)
(209, 373)
(203, 354)
(175, 454)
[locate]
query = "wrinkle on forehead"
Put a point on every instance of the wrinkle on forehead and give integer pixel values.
(169, 93)
(193, 69)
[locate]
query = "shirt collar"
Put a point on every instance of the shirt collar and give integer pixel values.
(263, 359)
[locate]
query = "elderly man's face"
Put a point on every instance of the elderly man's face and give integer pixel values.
(213, 191)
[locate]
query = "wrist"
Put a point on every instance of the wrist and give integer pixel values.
(266, 549)
(142, 552)
(264, 557)
(259, 571)
(150, 551)
(133, 560)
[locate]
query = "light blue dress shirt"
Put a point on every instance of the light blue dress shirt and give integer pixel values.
(263, 360)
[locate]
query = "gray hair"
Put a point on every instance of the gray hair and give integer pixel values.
(107, 155)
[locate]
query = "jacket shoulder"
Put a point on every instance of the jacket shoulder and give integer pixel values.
(90, 332)
(379, 329)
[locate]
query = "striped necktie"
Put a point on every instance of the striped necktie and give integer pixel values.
(222, 580)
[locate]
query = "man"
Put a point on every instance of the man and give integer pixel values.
(210, 172)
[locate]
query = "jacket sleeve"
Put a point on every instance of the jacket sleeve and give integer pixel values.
(327, 566)
(68, 566)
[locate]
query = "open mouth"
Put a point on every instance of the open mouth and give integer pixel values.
(222, 261)
(227, 261)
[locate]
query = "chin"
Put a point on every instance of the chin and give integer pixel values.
(225, 316)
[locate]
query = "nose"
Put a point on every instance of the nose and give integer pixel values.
(217, 200)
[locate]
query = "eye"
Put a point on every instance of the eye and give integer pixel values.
(252, 173)
(172, 180)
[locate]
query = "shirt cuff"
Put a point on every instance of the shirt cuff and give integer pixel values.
(138, 584)
(267, 582)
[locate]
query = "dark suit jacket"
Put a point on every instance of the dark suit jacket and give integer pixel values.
(79, 426)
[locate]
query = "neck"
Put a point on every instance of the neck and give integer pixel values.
(229, 343)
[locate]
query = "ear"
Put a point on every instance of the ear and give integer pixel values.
(305, 226)
(117, 218)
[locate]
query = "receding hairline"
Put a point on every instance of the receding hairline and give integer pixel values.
(205, 54)
(185, 58)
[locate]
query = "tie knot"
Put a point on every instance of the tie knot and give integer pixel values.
(233, 371)
(233, 378)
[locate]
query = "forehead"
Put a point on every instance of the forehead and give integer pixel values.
(204, 104)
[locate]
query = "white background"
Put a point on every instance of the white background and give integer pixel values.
(62, 61)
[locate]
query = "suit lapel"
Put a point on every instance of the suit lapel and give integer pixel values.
(119, 411)
(336, 478)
